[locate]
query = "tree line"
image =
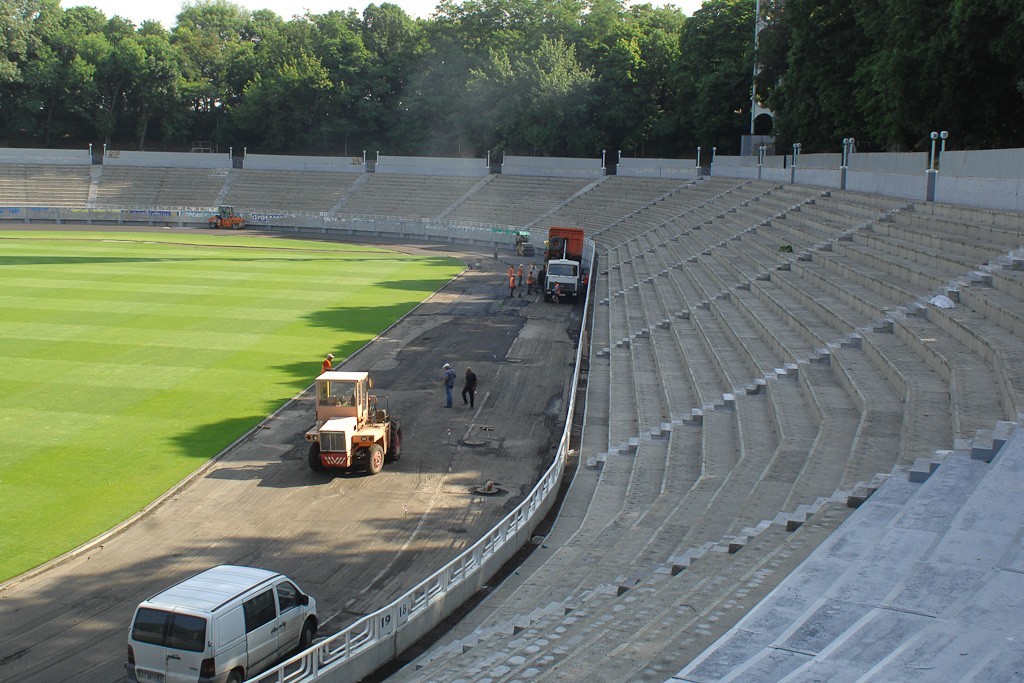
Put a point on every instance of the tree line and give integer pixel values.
(537, 77)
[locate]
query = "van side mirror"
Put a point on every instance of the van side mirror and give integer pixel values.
(303, 599)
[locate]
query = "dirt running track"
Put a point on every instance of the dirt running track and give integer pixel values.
(354, 542)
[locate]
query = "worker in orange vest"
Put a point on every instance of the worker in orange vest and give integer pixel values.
(511, 284)
(529, 282)
(326, 365)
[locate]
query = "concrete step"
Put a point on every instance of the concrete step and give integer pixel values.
(904, 580)
(670, 622)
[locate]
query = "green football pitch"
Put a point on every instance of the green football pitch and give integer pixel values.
(123, 356)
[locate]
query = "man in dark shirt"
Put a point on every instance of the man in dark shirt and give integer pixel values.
(470, 387)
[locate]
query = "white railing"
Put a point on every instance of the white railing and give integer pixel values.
(378, 638)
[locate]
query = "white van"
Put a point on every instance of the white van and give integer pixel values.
(221, 626)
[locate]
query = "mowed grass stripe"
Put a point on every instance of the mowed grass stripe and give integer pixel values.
(130, 362)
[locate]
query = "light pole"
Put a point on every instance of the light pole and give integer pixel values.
(761, 151)
(792, 168)
(698, 156)
(933, 163)
(849, 144)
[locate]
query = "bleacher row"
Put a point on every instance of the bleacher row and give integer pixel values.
(762, 358)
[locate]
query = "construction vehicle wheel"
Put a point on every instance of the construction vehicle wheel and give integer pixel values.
(395, 452)
(314, 457)
(375, 459)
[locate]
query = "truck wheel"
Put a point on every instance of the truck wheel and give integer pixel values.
(235, 677)
(375, 459)
(395, 452)
(314, 457)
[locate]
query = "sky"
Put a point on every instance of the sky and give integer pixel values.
(165, 11)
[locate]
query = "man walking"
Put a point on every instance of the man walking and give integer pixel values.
(511, 284)
(529, 282)
(470, 387)
(449, 384)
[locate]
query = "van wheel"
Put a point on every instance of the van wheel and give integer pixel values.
(375, 459)
(314, 457)
(307, 635)
(235, 677)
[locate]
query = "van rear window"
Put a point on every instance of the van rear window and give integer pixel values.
(168, 629)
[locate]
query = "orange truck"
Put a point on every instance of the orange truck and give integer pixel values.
(563, 257)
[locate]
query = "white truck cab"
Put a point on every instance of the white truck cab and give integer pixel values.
(223, 625)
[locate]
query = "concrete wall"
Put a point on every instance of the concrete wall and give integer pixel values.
(657, 168)
(166, 159)
(553, 167)
(827, 162)
(726, 161)
(285, 162)
(889, 184)
(776, 175)
(908, 163)
(1004, 194)
(729, 169)
(984, 163)
(67, 157)
(445, 166)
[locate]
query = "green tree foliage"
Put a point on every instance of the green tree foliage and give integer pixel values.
(811, 50)
(16, 28)
(536, 99)
(281, 110)
(524, 76)
(714, 74)
(890, 71)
